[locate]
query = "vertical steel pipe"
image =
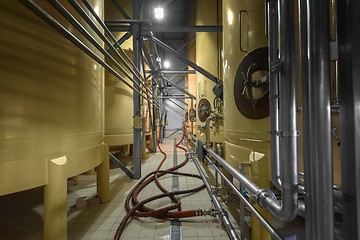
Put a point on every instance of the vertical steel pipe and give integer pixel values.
(320, 191)
(136, 97)
(349, 85)
(287, 115)
(309, 217)
(273, 92)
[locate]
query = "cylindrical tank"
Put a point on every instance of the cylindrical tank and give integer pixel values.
(208, 57)
(118, 96)
(247, 140)
(51, 96)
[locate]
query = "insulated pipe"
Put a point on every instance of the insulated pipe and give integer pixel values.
(250, 207)
(222, 213)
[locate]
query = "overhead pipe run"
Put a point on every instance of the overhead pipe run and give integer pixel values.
(33, 6)
(218, 88)
(117, 44)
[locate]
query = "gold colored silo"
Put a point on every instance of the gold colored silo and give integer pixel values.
(52, 108)
(246, 140)
(118, 96)
(208, 57)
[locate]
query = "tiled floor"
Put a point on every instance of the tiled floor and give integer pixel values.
(21, 213)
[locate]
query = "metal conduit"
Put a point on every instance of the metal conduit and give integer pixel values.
(222, 213)
(116, 43)
(50, 20)
(33, 6)
(185, 60)
(250, 207)
(89, 21)
(283, 108)
(273, 92)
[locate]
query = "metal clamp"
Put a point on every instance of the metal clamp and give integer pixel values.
(293, 133)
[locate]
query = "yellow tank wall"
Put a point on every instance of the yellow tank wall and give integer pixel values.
(238, 128)
(207, 56)
(191, 83)
(118, 96)
(52, 100)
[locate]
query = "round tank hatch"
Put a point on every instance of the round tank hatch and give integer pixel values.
(251, 91)
(204, 109)
(192, 115)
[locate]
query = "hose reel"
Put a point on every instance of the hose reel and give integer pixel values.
(251, 85)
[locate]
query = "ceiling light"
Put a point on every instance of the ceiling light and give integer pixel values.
(166, 64)
(159, 13)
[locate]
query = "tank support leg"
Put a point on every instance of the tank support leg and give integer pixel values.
(102, 177)
(55, 197)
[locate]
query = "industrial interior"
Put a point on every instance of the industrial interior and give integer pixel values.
(180, 119)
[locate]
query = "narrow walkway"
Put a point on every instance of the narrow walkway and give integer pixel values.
(22, 213)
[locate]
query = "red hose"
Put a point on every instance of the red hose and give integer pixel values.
(139, 209)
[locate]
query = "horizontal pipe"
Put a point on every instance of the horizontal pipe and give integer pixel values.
(133, 70)
(184, 28)
(56, 4)
(250, 207)
(179, 88)
(114, 21)
(173, 71)
(116, 43)
(185, 60)
(33, 6)
(252, 187)
(222, 213)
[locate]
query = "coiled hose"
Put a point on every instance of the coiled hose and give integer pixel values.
(136, 208)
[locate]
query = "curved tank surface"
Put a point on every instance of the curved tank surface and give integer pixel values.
(208, 57)
(247, 140)
(52, 100)
(118, 96)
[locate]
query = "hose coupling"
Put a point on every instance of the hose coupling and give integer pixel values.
(213, 212)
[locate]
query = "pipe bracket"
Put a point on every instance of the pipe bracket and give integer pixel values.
(282, 133)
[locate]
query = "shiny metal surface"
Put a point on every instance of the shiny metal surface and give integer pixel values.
(320, 191)
(349, 66)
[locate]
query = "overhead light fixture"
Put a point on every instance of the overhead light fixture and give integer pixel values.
(159, 13)
(166, 64)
